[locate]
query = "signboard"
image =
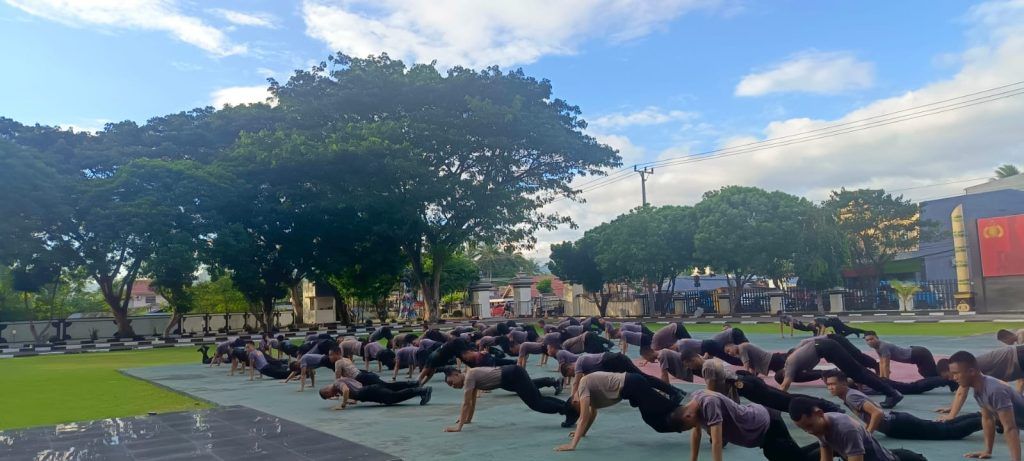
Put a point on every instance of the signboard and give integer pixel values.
(1001, 241)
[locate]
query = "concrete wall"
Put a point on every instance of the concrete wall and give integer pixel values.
(81, 329)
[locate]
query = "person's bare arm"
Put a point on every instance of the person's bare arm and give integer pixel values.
(694, 443)
(988, 429)
(466, 414)
(786, 382)
(826, 453)
(575, 384)
(954, 408)
(855, 458)
(302, 379)
(1020, 386)
(664, 376)
(1010, 433)
(394, 376)
(623, 345)
(883, 367)
(343, 401)
(252, 373)
(587, 416)
(716, 441)
(877, 415)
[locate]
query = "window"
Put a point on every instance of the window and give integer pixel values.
(151, 299)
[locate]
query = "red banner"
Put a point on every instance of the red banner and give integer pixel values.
(1001, 241)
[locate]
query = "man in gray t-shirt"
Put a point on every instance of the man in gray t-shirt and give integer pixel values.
(750, 426)
(997, 401)
(842, 435)
(756, 360)
(889, 352)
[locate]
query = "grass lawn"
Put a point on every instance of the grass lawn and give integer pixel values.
(926, 329)
(57, 389)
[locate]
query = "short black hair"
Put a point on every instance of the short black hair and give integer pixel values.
(964, 358)
(449, 371)
(871, 333)
(834, 373)
(802, 406)
(250, 342)
(335, 349)
(1005, 334)
(942, 365)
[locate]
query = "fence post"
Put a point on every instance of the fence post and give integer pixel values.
(775, 299)
(724, 304)
(835, 301)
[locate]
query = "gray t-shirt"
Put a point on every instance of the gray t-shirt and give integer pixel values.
(690, 344)
(848, 437)
(894, 352)
(723, 338)
(801, 359)
(525, 349)
(632, 337)
(855, 401)
(406, 356)
(664, 337)
(743, 425)
(574, 344)
(754, 357)
(483, 378)
(371, 350)
(552, 339)
(257, 360)
(564, 356)
(310, 361)
(631, 326)
(996, 395)
(351, 347)
(604, 389)
(575, 330)
(346, 368)
(672, 362)
(1001, 364)
(487, 341)
(353, 385)
(517, 337)
(588, 363)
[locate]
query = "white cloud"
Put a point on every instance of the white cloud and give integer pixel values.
(160, 15)
(957, 145)
(247, 19)
(648, 116)
(476, 34)
(810, 72)
(237, 95)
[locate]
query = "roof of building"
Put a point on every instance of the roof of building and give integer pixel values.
(141, 288)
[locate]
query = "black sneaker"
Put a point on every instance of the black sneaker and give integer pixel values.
(570, 420)
(892, 400)
(558, 386)
(425, 397)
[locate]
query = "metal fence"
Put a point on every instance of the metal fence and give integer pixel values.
(933, 295)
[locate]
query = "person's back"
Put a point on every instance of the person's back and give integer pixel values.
(847, 437)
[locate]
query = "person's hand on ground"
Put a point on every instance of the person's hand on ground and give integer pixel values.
(453, 429)
(978, 455)
(566, 447)
(942, 410)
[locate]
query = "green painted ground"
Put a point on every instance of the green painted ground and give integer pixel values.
(55, 389)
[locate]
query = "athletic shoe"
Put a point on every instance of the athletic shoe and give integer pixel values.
(892, 400)
(426, 395)
(558, 386)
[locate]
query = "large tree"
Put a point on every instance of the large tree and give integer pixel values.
(747, 232)
(878, 226)
(470, 155)
(1007, 170)
(574, 262)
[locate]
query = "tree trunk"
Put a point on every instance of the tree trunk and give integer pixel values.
(341, 311)
(124, 326)
(296, 298)
(431, 292)
(735, 292)
(175, 318)
(268, 315)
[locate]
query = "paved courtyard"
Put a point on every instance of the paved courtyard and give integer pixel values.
(505, 429)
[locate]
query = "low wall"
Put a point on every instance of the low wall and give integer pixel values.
(146, 325)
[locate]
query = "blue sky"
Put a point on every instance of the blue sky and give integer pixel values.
(656, 78)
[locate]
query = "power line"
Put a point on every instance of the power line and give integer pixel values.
(925, 186)
(822, 133)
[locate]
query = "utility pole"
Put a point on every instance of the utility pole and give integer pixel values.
(643, 181)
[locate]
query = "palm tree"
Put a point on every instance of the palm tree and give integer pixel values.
(1006, 170)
